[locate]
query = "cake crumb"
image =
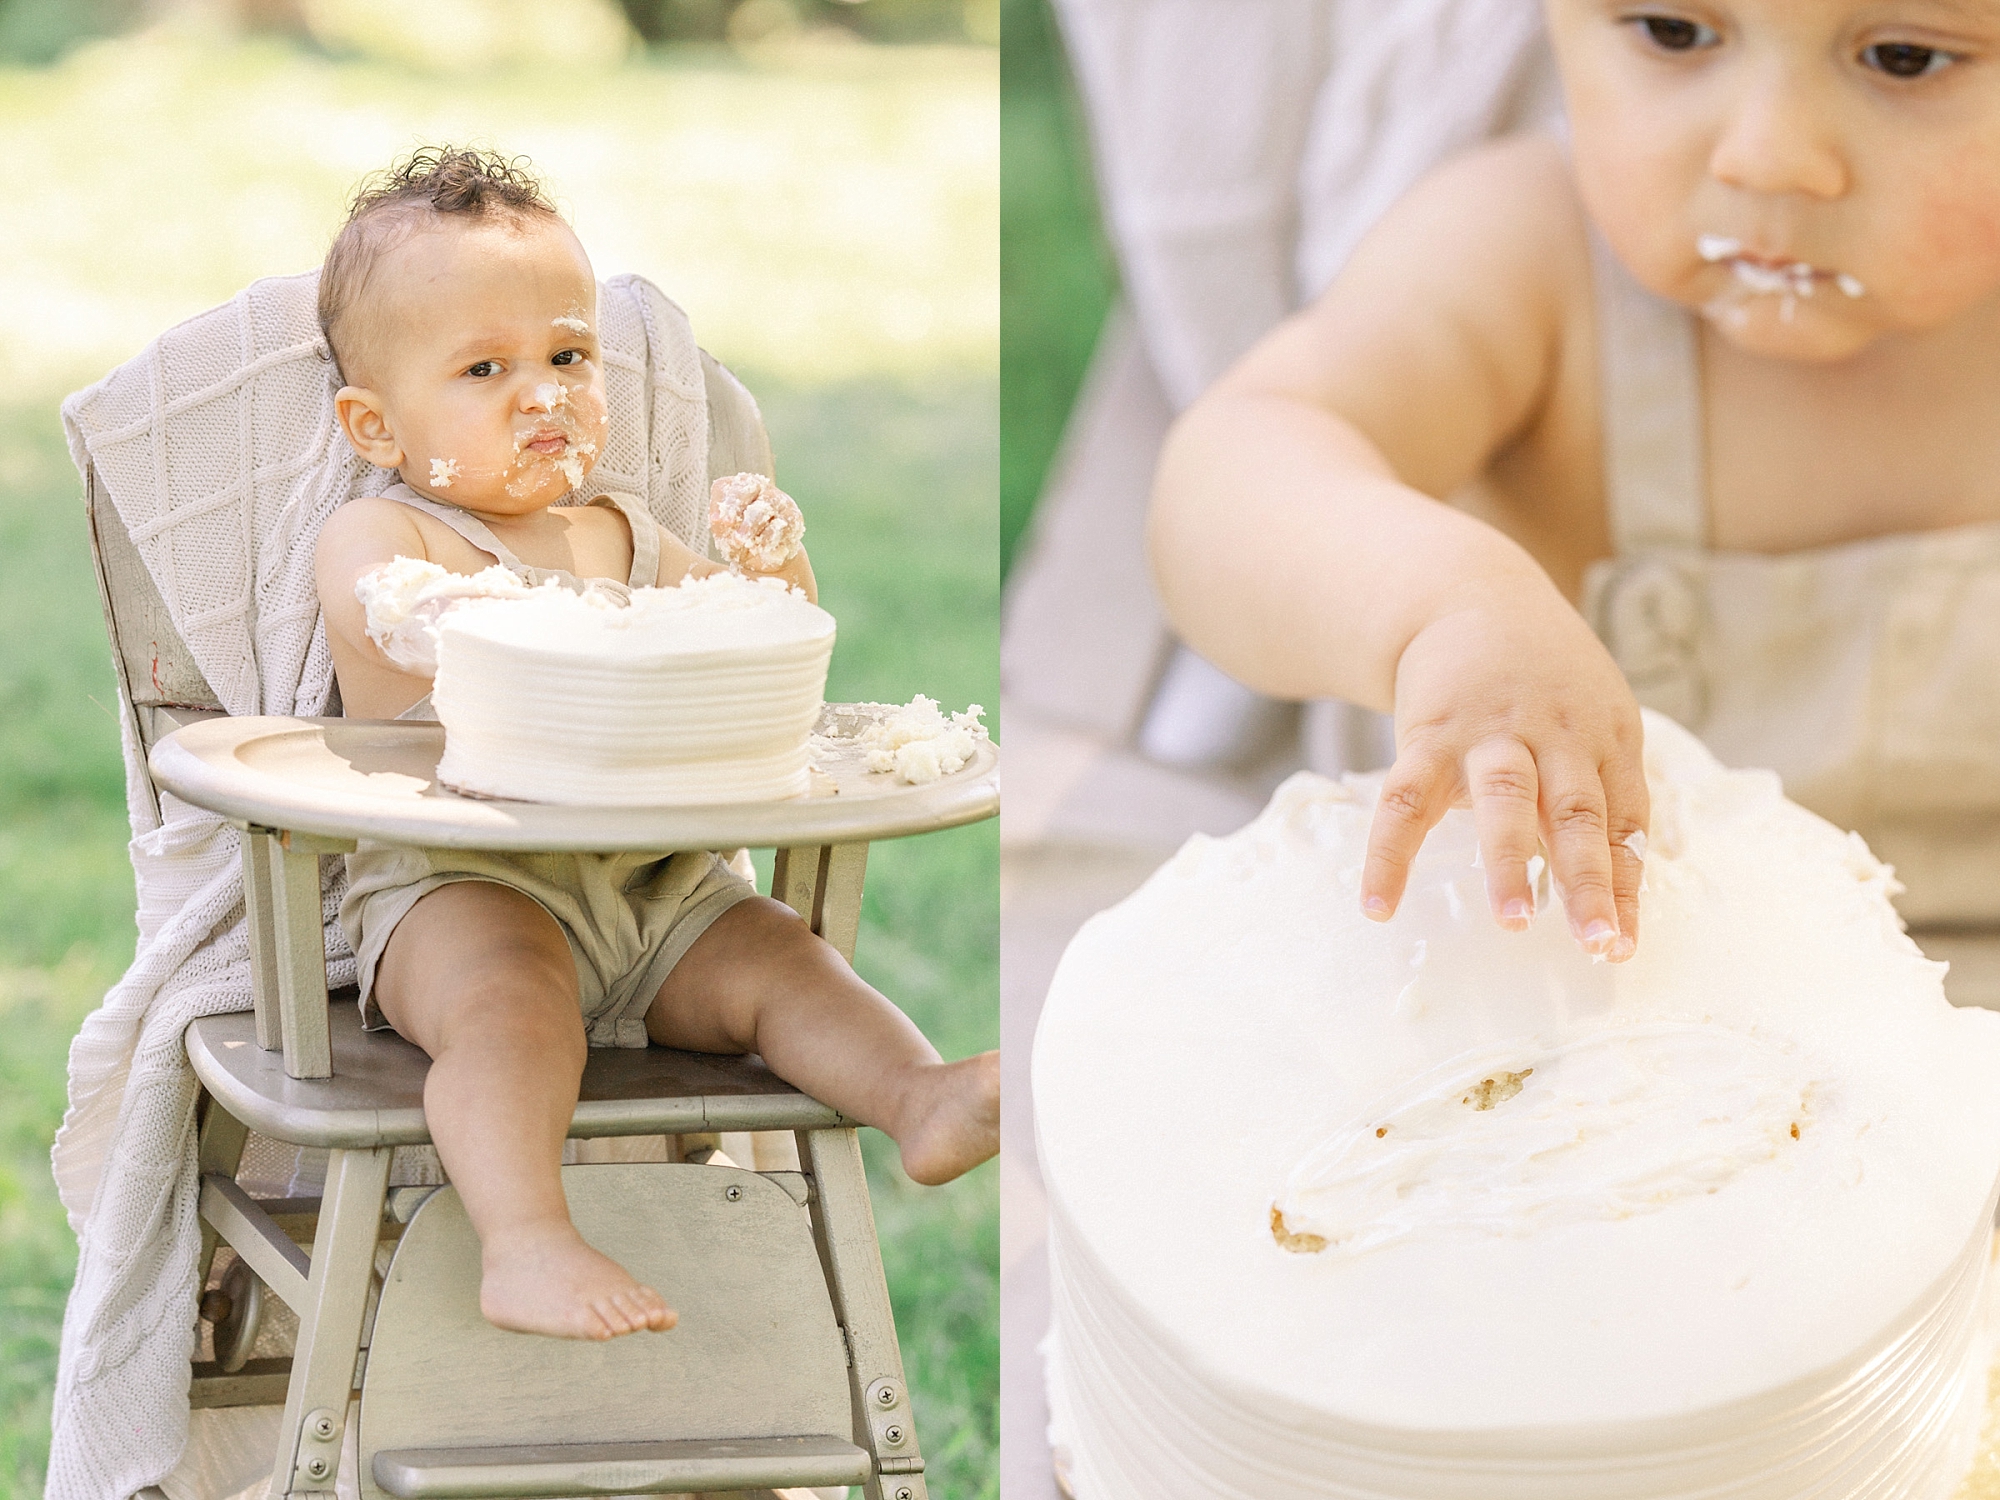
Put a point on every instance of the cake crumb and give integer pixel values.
(920, 743)
(443, 472)
(1496, 1090)
(1297, 1244)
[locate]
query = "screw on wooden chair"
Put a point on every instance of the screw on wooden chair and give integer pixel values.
(904, 1492)
(733, 1193)
(893, 1436)
(321, 1423)
(316, 1467)
(885, 1394)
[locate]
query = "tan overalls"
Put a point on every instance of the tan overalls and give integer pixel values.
(1866, 674)
(628, 917)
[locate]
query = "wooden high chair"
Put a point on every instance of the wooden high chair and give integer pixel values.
(784, 1369)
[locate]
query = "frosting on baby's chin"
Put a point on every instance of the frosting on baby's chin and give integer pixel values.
(1791, 283)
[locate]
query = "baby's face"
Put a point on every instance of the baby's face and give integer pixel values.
(1811, 174)
(479, 373)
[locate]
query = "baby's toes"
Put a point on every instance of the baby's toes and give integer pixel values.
(643, 1308)
(616, 1317)
(659, 1317)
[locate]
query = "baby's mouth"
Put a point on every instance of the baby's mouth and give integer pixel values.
(1778, 276)
(545, 444)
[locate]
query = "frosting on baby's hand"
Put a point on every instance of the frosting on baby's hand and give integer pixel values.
(756, 525)
(406, 597)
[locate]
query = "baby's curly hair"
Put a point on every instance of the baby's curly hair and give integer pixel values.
(434, 181)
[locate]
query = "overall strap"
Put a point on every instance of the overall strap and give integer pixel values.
(1649, 400)
(465, 524)
(645, 537)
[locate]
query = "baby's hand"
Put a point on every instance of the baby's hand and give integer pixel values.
(1509, 703)
(756, 525)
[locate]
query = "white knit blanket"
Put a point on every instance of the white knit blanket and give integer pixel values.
(1244, 146)
(219, 449)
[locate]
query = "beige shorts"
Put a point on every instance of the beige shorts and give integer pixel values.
(628, 917)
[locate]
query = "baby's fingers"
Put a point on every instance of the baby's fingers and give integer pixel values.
(1627, 812)
(1500, 773)
(1575, 830)
(1414, 796)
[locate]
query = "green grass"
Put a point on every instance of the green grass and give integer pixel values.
(1056, 272)
(865, 352)
(915, 587)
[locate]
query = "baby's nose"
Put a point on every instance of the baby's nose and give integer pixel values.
(549, 396)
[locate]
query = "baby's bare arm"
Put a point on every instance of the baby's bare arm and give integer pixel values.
(363, 534)
(1300, 544)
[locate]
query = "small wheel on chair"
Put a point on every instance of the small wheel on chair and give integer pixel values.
(236, 1308)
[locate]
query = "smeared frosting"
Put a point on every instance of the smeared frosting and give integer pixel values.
(1627, 1119)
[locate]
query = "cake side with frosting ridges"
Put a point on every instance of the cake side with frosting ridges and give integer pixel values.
(707, 692)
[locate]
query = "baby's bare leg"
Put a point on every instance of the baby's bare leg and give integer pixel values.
(481, 978)
(758, 980)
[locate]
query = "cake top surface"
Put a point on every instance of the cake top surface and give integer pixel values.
(720, 613)
(1431, 1175)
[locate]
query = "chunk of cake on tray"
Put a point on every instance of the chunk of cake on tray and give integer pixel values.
(1466, 1215)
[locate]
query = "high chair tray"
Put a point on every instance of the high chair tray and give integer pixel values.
(377, 779)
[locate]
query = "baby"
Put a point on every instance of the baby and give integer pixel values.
(461, 311)
(1723, 369)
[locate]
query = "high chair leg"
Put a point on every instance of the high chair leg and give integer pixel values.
(220, 1149)
(844, 1230)
(329, 1346)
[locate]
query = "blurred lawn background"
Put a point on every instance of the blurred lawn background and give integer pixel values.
(1056, 273)
(815, 181)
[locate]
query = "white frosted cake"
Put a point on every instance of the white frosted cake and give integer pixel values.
(707, 692)
(1431, 1211)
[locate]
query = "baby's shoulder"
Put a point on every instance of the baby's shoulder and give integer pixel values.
(1505, 211)
(367, 521)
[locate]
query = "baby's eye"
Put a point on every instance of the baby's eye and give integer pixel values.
(1905, 59)
(568, 357)
(484, 368)
(1676, 33)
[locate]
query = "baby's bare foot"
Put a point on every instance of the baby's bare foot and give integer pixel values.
(551, 1282)
(952, 1119)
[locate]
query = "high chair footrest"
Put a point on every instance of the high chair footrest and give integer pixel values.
(563, 1469)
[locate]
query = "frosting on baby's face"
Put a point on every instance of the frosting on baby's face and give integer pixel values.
(482, 376)
(1809, 174)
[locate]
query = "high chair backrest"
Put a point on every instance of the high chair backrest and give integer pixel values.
(157, 673)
